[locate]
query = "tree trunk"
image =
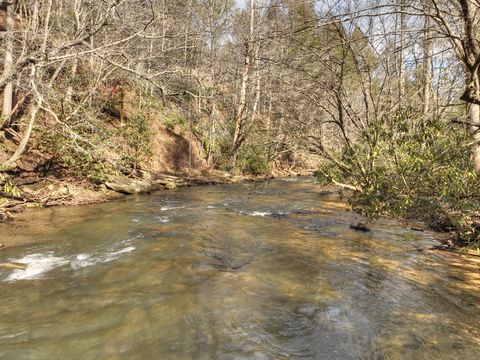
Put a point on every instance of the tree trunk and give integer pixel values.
(186, 39)
(470, 10)
(474, 118)
(8, 91)
(213, 96)
(28, 132)
(427, 61)
(69, 92)
(26, 137)
(164, 27)
(400, 26)
(242, 104)
(256, 103)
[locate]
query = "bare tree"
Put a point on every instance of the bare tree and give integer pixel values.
(8, 63)
(427, 60)
(240, 115)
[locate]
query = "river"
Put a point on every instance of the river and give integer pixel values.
(248, 271)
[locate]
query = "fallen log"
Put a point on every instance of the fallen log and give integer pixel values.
(13, 197)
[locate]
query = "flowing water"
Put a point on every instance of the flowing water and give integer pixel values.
(257, 271)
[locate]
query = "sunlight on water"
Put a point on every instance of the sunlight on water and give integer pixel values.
(258, 271)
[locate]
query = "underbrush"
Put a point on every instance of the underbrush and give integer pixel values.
(253, 160)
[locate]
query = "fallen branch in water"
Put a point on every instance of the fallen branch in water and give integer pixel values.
(13, 266)
(345, 186)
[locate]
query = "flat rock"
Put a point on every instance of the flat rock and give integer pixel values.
(165, 184)
(127, 185)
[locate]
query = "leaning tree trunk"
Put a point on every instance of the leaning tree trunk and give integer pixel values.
(28, 131)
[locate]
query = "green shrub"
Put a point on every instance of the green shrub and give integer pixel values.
(222, 153)
(253, 159)
(7, 186)
(138, 136)
(85, 165)
(79, 152)
(175, 118)
(413, 169)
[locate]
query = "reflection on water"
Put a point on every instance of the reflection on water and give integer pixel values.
(231, 272)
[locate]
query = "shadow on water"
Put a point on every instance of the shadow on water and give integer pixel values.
(263, 271)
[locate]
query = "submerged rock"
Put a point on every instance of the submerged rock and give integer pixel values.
(360, 227)
(127, 185)
(417, 228)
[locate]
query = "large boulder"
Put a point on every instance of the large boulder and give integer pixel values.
(127, 185)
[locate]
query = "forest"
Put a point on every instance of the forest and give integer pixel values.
(338, 142)
(380, 98)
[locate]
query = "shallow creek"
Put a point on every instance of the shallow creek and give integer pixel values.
(253, 271)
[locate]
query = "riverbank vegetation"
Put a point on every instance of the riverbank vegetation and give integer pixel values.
(378, 97)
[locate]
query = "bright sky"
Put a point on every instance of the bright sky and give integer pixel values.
(241, 3)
